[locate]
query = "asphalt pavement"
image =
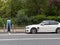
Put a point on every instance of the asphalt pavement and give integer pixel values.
(29, 39)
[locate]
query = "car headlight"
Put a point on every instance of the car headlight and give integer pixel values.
(27, 27)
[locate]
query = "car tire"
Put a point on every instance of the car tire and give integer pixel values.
(33, 31)
(58, 31)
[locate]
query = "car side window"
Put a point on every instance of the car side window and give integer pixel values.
(53, 23)
(46, 23)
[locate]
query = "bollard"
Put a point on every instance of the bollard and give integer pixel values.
(13, 27)
(4, 27)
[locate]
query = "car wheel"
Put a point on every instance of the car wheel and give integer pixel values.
(58, 31)
(33, 31)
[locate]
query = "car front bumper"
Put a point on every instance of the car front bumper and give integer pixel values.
(27, 30)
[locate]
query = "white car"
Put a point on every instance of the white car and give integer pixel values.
(44, 26)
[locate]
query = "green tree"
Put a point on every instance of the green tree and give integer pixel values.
(22, 18)
(53, 8)
(35, 6)
(5, 8)
(16, 5)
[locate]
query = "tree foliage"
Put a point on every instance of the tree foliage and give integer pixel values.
(23, 10)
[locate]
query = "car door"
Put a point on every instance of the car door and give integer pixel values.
(53, 25)
(44, 27)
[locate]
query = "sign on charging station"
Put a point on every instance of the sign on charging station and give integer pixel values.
(8, 25)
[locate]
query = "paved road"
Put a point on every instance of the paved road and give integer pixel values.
(29, 39)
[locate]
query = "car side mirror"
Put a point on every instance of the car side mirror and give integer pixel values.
(42, 24)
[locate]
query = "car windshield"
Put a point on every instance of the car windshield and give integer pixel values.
(43, 22)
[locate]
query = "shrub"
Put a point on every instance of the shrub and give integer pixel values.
(22, 18)
(37, 19)
(51, 18)
(58, 18)
(1, 22)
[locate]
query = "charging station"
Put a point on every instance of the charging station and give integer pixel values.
(8, 25)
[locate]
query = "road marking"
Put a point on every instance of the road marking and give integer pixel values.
(30, 39)
(29, 34)
(35, 34)
(9, 33)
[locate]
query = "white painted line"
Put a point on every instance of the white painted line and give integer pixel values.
(30, 34)
(9, 33)
(14, 34)
(36, 34)
(30, 39)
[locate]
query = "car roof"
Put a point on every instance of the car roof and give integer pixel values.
(49, 20)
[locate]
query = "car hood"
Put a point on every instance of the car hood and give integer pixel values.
(32, 25)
